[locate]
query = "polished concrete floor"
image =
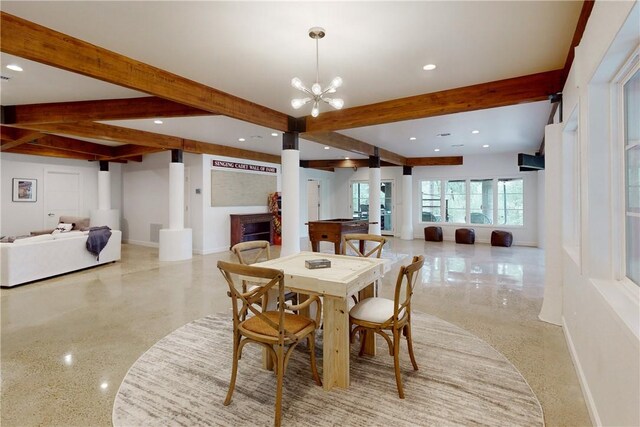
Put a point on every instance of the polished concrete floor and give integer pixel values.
(67, 342)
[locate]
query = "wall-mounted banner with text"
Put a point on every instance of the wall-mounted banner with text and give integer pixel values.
(242, 166)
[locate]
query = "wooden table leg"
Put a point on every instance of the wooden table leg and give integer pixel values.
(335, 351)
(314, 246)
(267, 362)
(337, 247)
(370, 343)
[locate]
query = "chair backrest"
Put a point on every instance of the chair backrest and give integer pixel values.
(349, 239)
(252, 252)
(268, 278)
(407, 279)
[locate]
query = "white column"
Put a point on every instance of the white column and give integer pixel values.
(176, 196)
(290, 202)
(374, 200)
(104, 215)
(104, 190)
(176, 242)
(406, 229)
(552, 303)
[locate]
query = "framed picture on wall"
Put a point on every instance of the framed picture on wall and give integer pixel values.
(25, 189)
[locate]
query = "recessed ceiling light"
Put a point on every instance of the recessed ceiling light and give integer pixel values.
(436, 149)
(158, 122)
(274, 134)
(429, 67)
(346, 158)
(241, 139)
(475, 131)
(326, 148)
(444, 134)
(413, 138)
(485, 146)
(14, 67)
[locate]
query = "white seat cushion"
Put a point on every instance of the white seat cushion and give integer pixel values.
(376, 310)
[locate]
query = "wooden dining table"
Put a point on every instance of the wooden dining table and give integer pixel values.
(347, 276)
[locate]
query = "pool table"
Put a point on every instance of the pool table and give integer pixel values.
(331, 230)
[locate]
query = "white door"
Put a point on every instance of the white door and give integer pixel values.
(313, 200)
(62, 196)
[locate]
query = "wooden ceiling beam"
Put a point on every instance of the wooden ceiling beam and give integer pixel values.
(435, 161)
(75, 145)
(531, 88)
(137, 159)
(133, 152)
(37, 150)
(148, 107)
(344, 142)
(154, 141)
(12, 137)
(198, 147)
(337, 163)
(110, 133)
(41, 44)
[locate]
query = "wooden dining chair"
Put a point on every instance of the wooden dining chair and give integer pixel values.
(358, 244)
(274, 330)
(379, 315)
(361, 250)
(257, 251)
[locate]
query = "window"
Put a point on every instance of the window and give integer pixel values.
(489, 201)
(431, 201)
(481, 201)
(631, 105)
(510, 201)
(456, 201)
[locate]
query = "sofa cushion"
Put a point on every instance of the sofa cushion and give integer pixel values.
(63, 228)
(79, 221)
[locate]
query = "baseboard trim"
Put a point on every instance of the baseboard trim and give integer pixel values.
(586, 392)
(212, 251)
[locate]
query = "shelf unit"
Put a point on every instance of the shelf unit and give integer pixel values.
(248, 227)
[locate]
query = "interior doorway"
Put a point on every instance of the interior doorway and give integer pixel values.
(313, 200)
(360, 204)
(62, 196)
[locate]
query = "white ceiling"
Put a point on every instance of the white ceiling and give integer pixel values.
(253, 49)
(227, 131)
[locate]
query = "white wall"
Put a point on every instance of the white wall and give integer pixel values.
(20, 218)
(145, 197)
(600, 311)
(481, 166)
(326, 200)
(216, 224)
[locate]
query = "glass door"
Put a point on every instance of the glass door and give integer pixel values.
(386, 207)
(360, 203)
(360, 199)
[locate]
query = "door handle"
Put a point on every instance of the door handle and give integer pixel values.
(51, 214)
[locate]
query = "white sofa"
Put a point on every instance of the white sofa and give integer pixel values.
(47, 255)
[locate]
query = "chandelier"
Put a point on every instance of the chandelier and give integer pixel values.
(317, 94)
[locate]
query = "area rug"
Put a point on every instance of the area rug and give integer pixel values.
(182, 381)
